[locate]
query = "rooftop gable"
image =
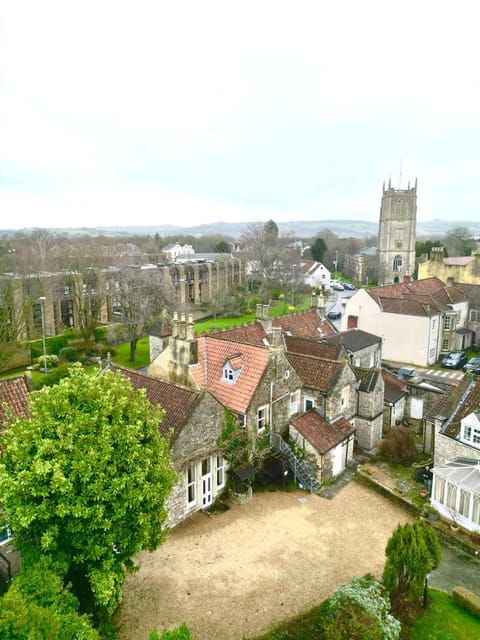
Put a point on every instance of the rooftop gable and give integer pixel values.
(177, 402)
(322, 435)
(316, 373)
(212, 355)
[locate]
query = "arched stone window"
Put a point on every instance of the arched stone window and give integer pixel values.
(397, 263)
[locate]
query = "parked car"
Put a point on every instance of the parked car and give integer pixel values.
(455, 360)
(473, 365)
(338, 287)
(348, 286)
(334, 315)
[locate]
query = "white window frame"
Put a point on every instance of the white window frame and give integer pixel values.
(344, 397)
(262, 418)
(294, 402)
(228, 374)
(220, 471)
(191, 481)
(9, 535)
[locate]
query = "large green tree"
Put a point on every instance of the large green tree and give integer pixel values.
(85, 481)
(412, 552)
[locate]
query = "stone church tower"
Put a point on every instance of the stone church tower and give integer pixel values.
(397, 234)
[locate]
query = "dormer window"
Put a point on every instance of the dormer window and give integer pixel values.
(470, 429)
(232, 368)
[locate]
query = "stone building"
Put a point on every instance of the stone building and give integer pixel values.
(458, 269)
(397, 235)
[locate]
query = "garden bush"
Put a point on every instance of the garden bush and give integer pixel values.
(68, 354)
(467, 600)
(49, 361)
(54, 376)
(398, 446)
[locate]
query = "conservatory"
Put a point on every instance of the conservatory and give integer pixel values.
(456, 492)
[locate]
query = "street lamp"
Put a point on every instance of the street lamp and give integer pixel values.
(42, 300)
(336, 262)
(293, 284)
(425, 592)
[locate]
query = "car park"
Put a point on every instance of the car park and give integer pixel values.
(334, 315)
(473, 365)
(455, 360)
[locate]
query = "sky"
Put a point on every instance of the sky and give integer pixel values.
(191, 112)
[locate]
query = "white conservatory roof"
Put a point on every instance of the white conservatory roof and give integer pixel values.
(466, 475)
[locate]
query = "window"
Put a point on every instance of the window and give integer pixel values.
(451, 501)
(439, 489)
(191, 485)
(445, 345)
(476, 509)
(308, 403)
(228, 374)
(448, 323)
(67, 290)
(293, 403)
(220, 472)
(262, 418)
(434, 324)
(5, 535)
(344, 396)
(474, 315)
(464, 504)
(397, 263)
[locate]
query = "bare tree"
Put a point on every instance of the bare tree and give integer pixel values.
(261, 248)
(142, 296)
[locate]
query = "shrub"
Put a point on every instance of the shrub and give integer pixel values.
(467, 600)
(398, 446)
(359, 610)
(52, 378)
(100, 334)
(68, 354)
(180, 633)
(52, 345)
(50, 361)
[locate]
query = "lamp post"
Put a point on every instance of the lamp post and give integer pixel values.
(425, 592)
(42, 300)
(293, 284)
(336, 262)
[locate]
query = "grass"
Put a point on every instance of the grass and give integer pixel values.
(142, 355)
(443, 620)
(278, 308)
(446, 620)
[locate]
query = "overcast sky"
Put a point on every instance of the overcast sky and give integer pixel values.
(141, 113)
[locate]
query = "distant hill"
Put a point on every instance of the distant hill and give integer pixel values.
(300, 229)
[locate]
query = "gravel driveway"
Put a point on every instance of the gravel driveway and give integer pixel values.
(232, 575)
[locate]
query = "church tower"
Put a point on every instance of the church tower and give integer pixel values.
(397, 234)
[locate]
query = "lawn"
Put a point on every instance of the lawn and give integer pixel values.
(443, 620)
(278, 308)
(142, 356)
(446, 620)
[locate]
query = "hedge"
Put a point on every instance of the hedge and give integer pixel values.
(467, 600)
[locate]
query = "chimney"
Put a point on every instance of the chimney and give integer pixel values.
(277, 340)
(184, 348)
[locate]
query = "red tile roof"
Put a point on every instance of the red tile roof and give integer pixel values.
(461, 402)
(305, 324)
(13, 398)
(177, 402)
(213, 353)
(316, 373)
(311, 347)
(252, 333)
(417, 297)
(321, 434)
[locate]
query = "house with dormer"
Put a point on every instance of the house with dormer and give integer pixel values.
(452, 433)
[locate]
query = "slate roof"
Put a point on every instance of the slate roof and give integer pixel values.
(213, 353)
(316, 373)
(177, 402)
(465, 399)
(417, 297)
(322, 435)
(354, 339)
(367, 377)
(395, 389)
(472, 293)
(14, 398)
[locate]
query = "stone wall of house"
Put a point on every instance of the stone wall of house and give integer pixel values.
(196, 441)
(279, 381)
(447, 449)
(334, 408)
(363, 357)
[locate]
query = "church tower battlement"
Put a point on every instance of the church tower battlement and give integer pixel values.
(397, 234)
